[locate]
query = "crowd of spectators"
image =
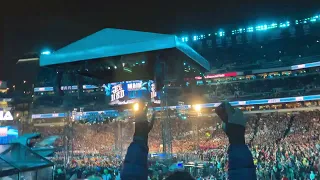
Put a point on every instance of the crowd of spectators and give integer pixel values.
(266, 86)
(258, 53)
(255, 86)
(282, 144)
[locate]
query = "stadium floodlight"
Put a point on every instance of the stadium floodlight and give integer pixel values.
(197, 107)
(46, 52)
(136, 107)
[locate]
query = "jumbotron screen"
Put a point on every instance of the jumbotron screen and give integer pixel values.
(128, 92)
(7, 134)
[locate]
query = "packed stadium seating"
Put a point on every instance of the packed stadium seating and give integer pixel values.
(265, 85)
(272, 137)
(284, 137)
(262, 46)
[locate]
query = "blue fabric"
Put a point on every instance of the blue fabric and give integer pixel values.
(241, 163)
(136, 161)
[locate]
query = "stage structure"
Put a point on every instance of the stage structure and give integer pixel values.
(20, 162)
(115, 55)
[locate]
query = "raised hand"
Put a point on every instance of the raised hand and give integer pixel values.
(234, 123)
(142, 125)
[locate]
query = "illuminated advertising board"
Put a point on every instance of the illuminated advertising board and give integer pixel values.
(7, 134)
(213, 76)
(127, 92)
(303, 66)
(114, 113)
(5, 116)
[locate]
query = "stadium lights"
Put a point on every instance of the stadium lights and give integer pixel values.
(45, 52)
(136, 107)
(197, 107)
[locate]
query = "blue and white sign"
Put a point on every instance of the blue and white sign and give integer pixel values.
(6, 116)
(128, 92)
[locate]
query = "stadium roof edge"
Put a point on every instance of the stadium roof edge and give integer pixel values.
(114, 42)
(191, 53)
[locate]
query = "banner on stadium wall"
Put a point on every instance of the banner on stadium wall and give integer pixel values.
(229, 41)
(239, 39)
(303, 66)
(114, 113)
(249, 37)
(213, 76)
(209, 43)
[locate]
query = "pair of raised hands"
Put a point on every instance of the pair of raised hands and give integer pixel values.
(233, 123)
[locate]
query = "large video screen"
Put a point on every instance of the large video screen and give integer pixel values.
(127, 92)
(8, 133)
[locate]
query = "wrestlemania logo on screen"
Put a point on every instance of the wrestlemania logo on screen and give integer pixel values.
(5, 116)
(127, 92)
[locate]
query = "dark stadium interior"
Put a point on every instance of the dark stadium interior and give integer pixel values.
(269, 70)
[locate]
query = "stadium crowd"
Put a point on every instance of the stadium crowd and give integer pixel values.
(284, 145)
(266, 85)
(255, 86)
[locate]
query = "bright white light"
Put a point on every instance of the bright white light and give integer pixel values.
(197, 107)
(115, 67)
(45, 52)
(136, 107)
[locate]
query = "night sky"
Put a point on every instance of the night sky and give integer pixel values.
(31, 26)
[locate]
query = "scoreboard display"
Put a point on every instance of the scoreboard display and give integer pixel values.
(128, 92)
